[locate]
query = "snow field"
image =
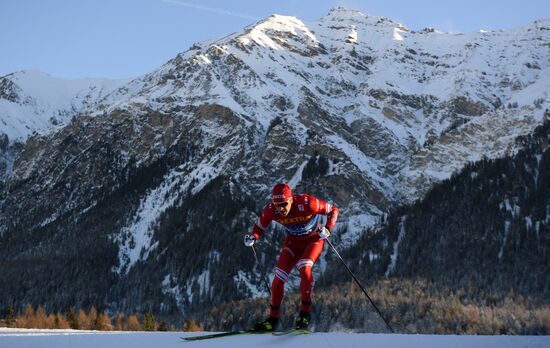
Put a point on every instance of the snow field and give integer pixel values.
(30, 338)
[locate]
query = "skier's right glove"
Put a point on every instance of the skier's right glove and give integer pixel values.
(324, 232)
(249, 240)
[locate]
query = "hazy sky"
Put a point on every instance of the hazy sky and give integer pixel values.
(127, 38)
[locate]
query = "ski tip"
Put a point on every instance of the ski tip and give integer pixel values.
(215, 335)
(292, 332)
(224, 334)
(248, 332)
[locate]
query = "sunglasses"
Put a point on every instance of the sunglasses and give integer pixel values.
(282, 205)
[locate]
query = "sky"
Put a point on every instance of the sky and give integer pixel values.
(127, 38)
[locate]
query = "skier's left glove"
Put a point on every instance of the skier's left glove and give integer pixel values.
(249, 240)
(324, 232)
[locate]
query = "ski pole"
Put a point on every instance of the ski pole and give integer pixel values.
(358, 283)
(261, 270)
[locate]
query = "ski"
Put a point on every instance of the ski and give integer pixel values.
(221, 334)
(216, 335)
(292, 332)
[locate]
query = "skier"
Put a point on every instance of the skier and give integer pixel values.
(302, 246)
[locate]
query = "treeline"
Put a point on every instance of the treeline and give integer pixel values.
(32, 318)
(410, 305)
(488, 225)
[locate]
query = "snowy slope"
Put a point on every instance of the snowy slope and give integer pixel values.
(19, 338)
(33, 101)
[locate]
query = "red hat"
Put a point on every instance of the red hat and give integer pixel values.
(281, 193)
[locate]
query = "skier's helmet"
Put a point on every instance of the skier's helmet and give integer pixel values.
(281, 193)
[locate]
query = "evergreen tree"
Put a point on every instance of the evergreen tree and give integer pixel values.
(40, 319)
(149, 323)
(83, 321)
(61, 322)
(106, 322)
(120, 322)
(10, 318)
(98, 323)
(133, 323)
(93, 318)
(28, 317)
(191, 325)
(163, 326)
(71, 319)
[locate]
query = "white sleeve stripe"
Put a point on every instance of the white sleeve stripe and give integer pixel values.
(328, 208)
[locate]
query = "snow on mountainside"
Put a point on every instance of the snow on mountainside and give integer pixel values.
(33, 101)
(354, 108)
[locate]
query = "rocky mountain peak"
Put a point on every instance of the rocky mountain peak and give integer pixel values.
(344, 14)
(339, 16)
(34, 101)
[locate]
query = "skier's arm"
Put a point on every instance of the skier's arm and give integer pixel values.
(262, 224)
(325, 208)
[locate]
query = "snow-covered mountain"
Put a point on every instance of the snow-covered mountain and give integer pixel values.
(35, 102)
(164, 175)
(399, 108)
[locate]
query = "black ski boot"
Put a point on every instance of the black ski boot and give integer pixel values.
(302, 322)
(268, 325)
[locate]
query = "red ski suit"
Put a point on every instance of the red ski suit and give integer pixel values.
(302, 245)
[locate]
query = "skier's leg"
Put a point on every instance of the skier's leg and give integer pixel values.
(305, 265)
(286, 262)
